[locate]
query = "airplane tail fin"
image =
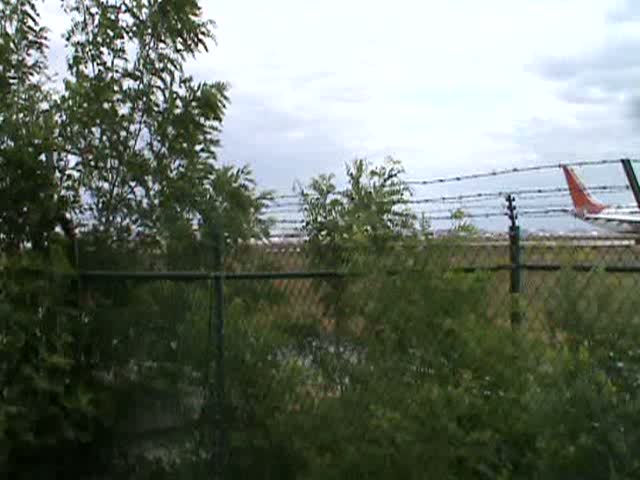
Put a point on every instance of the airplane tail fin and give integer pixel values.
(583, 202)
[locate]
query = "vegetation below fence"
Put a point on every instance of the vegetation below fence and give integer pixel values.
(372, 376)
(441, 390)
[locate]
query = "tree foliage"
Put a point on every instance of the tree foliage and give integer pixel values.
(141, 133)
(127, 151)
(430, 387)
(370, 213)
(31, 202)
(461, 223)
(114, 167)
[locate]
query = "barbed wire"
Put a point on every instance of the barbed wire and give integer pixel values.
(284, 212)
(523, 212)
(288, 221)
(493, 213)
(535, 197)
(474, 208)
(288, 234)
(561, 213)
(542, 192)
(285, 204)
(285, 196)
(517, 193)
(472, 176)
(506, 171)
(481, 209)
(463, 201)
(467, 209)
(528, 213)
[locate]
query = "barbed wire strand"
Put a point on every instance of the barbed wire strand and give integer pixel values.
(558, 211)
(299, 234)
(518, 193)
(507, 171)
(492, 173)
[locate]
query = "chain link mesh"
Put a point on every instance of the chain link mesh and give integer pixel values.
(153, 338)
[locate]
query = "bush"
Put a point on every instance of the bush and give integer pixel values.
(418, 382)
(429, 387)
(52, 410)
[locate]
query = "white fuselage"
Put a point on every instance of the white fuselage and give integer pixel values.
(617, 219)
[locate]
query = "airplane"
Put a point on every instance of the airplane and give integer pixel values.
(617, 219)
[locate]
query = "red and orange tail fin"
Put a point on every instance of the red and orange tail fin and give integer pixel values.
(583, 202)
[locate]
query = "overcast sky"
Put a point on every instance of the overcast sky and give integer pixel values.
(449, 87)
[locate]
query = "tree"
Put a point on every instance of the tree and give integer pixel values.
(141, 134)
(124, 160)
(369, 214)
(461, 223)
(31, 203)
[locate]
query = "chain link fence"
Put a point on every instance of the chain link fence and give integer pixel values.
(191, 355)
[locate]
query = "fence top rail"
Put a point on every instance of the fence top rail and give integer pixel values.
(194, 276)
(188, 276)
(342, 274)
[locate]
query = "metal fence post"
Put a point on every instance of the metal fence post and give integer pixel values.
(218, 328)
(514, 258)
(632, 179)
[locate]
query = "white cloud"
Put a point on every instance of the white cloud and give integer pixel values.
(448, 87)
(444, 85)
